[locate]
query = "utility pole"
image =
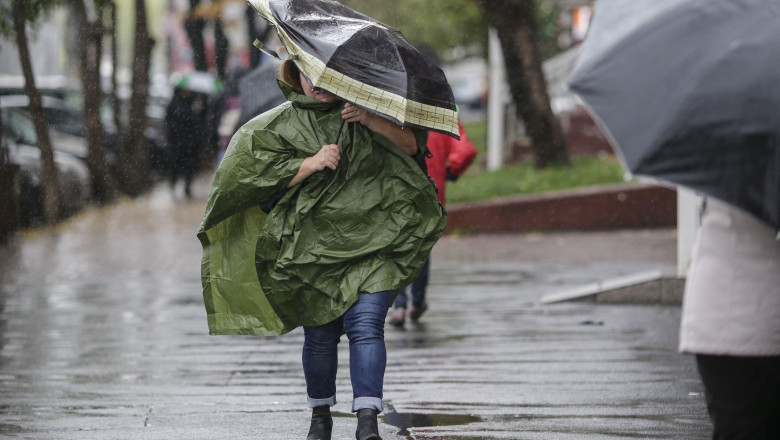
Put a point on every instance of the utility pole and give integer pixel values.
(688, 211)
(497, 99)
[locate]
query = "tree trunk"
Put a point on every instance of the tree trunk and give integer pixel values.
(50, 181)
(134, 152)
(221, 48)
(194, 29)
(103, 185)
(515, 22)
(115, 104)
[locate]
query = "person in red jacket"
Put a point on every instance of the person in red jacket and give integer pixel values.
(449, 159)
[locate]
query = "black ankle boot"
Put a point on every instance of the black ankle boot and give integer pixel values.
(321, 423)
(367, 428)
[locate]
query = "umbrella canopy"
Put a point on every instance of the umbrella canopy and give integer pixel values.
(363, 61)
(259, 90)
(688, 92)
(200, 82)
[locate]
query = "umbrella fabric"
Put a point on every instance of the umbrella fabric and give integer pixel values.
(367, 226)
(200, 82)
(363, 61)
(259, 91)
(688, 92)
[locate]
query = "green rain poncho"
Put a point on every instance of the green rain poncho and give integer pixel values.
(366, 227)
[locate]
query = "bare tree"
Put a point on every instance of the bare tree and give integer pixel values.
(134, 170)
(115, 104)
(515, 22)
(24, 10)
(91, 28)
(194, 26)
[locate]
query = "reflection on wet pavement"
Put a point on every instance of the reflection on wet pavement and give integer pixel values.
(103, 335)
(419, 420)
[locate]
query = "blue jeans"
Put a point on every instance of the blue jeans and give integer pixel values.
(417, 289)
(364, 323)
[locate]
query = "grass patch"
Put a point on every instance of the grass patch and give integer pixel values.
(477, 133)
(523, 178)
(478, 184)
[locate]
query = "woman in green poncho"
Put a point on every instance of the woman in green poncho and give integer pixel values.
(347, 225)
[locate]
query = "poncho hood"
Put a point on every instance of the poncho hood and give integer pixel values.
(365, 227)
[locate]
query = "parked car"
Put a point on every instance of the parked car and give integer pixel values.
(66, 129)
(64, 114)
(20, 146)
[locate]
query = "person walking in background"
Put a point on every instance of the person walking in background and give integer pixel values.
(185, 125)
(731, 322)
(447, 160)
(308, 225)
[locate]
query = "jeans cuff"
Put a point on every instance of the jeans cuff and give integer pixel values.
(313, 403)
(367, 402)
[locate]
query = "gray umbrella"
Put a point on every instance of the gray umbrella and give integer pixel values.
(259, 91)
(689, 93)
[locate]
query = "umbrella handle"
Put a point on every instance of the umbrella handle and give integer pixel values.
(341, 128)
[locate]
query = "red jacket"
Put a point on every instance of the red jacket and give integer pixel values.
(450, 153)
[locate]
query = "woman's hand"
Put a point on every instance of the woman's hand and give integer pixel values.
(400, 137)
(353, 113)
(328, 157)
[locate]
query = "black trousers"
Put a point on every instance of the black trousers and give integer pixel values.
(743, 396)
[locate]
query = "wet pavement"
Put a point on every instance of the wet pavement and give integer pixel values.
(103, 336)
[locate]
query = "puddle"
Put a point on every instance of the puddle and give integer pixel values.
(10, 429)
(412, 420)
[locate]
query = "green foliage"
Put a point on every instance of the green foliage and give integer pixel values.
(436, 24)
(101, 4)
(34, 11)
(548, 28)
(445, 25)
(477, 133)
(6, 18)
(523, 178)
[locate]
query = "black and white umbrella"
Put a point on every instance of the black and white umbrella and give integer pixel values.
(363, 61)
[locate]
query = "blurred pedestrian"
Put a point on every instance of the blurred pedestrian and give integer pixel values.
(731, 322)
(447, 160)
(348, 223)
(230, 101)
(185, 124)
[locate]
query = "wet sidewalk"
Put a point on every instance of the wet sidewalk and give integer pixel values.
(103, 336)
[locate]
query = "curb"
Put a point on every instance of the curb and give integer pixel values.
(623, 206)
(651, 287)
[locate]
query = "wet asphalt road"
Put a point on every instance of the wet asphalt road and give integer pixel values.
(103, 336)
